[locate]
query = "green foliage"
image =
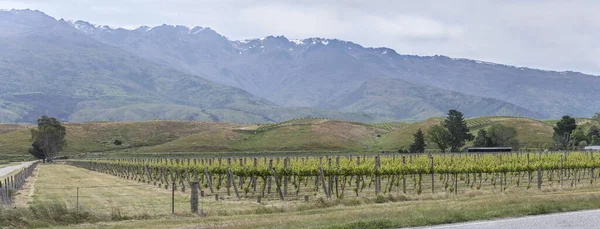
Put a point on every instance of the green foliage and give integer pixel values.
(593, 131)
(36, 150)
(457, 127)
(596, 117)
(595, 140)
(503, 136)
(49, 137)
(440, 136)
(482, 140)
(418, 145)
(563, 130)
(578, 136)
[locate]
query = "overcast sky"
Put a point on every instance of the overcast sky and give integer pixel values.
(556, 35)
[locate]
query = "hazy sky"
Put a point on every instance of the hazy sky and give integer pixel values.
(556, 35)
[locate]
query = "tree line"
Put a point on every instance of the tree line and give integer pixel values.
(453, 133)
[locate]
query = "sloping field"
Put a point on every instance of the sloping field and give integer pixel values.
(312, 134)
(91, 137)
(403, 137)
(321, 135)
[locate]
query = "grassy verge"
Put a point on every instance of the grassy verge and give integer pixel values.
(386, 215)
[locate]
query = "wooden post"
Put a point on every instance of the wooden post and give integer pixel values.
(404, 176)
(322, 177)
(285, 178)
(278, 185)
(269, 178)
(432, 175)
(357, 176)
(561, 170)
(539, 178)
(173, 199)
(377, 177)
(194, 195)
(237, 194)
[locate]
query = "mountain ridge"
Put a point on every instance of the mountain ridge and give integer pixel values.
(266, 79)
(234, 63)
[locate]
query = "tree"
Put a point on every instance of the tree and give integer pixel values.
(482, 140)
(596, 117)
(503, 136)
(440, 136)
(457, 127)
(49, 137)
(593, 131)
(578, 136)
(36, 151)
(595, 140)
(563, 130)
(418, 145)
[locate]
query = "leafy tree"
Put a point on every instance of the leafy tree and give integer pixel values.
(482, 140)
(593, 131)
(595, 140)
(459, 132)
(503, 136)
(49, 137)
(36, 151)
(563, 130)
(440, 136)
(578, 136)
(418, 145)
(596, 117)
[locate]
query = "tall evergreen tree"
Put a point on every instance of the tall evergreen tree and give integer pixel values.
(563, 130)
(418, 146)
(457, 127)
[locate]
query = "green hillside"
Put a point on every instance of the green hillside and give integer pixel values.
(312, 134)
(296, 135)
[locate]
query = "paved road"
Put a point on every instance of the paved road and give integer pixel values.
(8, 169)
(580, 219)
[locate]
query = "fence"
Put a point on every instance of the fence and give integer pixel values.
(12, 184)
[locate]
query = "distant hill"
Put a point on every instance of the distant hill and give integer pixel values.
(80, 72)
(298, 135)
(320, 72)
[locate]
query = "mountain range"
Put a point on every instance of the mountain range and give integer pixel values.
(78, 71)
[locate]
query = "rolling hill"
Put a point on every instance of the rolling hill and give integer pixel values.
(298, 135)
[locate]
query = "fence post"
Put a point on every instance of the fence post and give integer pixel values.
(539, 180)
(404, 176)
(432, 175)
(194, 196)
(173, 198)
(561, 171)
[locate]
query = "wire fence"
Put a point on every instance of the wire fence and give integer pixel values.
(11, 184)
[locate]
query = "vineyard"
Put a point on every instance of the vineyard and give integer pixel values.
(389, 126)
(355, 176)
